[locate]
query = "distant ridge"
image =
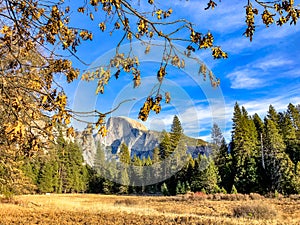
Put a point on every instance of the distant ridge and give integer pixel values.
(135, 135)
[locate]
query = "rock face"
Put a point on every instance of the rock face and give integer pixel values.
(135, 135)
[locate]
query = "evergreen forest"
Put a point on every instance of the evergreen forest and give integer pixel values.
(263, 156)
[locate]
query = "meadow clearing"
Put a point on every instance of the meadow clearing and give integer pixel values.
(115, 209)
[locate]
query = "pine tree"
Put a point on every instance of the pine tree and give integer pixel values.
(216, 139)
(190, 170)
(31, 168)
(279, 167)
(261, 159)
(294, 113)
(45, 180)
(147, 173)
(297, 178)
(164, 189)
(293, 147)
(155, 155)
(273, 115)
(179, 188)
(124, 178)
(55, 178)
(112, 173)
(233, 190)
(155, 168)
(137, 172)
(94, 181)
(288, 132)
(244, 151)
(186, 161)
(70, 174)
(175, 134)
(108, 187)
(223, 161)
(286, 128)
(207, 176)
(259, 125)
(75, 168)
(165, 146)
(178, 159)
(124, 154)
(99, 160)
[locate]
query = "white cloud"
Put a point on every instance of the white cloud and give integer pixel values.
(245, 79)
(263, 71)
(263, 37)
(275, 32)
(205, 117)
(227, 17)
(271, 62)
(292, 73)
(197, 119)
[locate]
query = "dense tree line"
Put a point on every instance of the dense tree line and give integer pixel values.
(265, 153)
(60, 169)
(263, 156)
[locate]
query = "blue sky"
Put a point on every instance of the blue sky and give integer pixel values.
(256, 74)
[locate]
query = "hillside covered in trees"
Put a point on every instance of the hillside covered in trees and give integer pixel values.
(263, 156)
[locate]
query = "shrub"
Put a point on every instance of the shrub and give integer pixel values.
(203, 190)
(188, 195)
(257, 211)
(278, 195)
(164, 189)
(187, 187)
(200, 195)
(255, 196)
(210, 196)
(294, 197)
(242, 197)
(223, 190)
(233, 190)
(217, 197)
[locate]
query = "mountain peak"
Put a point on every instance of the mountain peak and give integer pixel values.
(135, 135)
(133, 123)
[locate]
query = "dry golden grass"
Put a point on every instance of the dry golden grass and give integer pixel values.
(105, 209)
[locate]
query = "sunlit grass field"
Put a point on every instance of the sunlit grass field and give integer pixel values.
(108, 209)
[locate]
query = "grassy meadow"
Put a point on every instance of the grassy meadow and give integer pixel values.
(187, 209)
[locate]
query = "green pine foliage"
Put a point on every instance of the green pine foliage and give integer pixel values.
(216, 139)
(124, 154)
(164, 189)
(155, 156)
(293, 145)
(175, 134)
(223, 161)
(289, 134)
(263, 156)
(123, 189)
(259, 125)
(273, 115)
(45, 180)
(165, 146)
(279, 167)
(244, 151)
(233, 190)
(60, 170)
(206, 177)
(99, 160)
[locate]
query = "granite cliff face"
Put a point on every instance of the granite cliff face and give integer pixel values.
(135, 135)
